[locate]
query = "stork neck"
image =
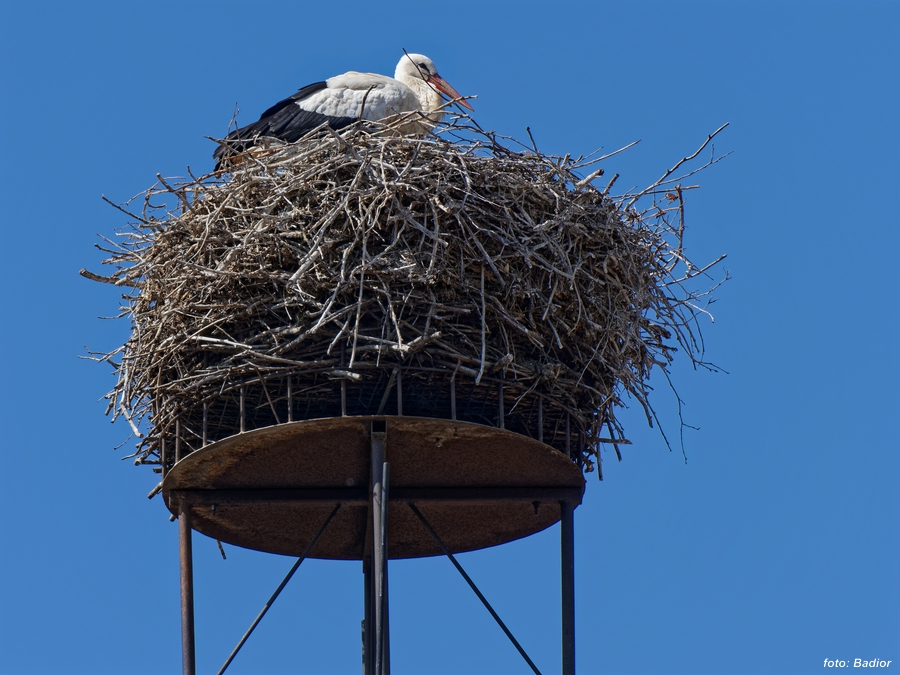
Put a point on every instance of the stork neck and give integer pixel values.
(429, 99)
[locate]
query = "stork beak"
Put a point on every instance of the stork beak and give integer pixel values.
(441, 85)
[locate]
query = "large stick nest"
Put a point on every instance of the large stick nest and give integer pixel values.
(356, 262)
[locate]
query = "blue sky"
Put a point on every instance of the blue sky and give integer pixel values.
(775, 547)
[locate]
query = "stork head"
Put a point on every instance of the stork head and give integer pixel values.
(413, 68)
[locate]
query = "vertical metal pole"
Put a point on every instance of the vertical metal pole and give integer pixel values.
(379, 563)
(453, 397)
(188, 659)
(541, 419)
(501, 412)
(205, 422)
(368, 618)
(567, 565)
(243, 387)
(163, 458)
(385, 613)
(343, 383)
(290, 415)
(177, 440)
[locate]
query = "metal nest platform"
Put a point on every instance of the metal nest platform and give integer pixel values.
(270, 489)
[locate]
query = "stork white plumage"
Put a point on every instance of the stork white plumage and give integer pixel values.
(344, 99)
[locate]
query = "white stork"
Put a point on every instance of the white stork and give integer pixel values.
(344, 99)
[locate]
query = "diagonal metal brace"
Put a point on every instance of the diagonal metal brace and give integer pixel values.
(280, 588)
(472, 585)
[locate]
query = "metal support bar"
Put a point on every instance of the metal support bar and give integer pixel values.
(387, 390)
(177, 440)
(368, 618)
(290, 399)
(472, 585)
(358, 496)
(385, 613)
(188, 658)
(343, 382)
(280, 588)
(243, 416)
(379, 536)
(453, 397)
(567, 567)
(540, 419)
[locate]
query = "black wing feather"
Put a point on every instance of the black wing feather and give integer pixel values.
(285, 121)
(308, 90)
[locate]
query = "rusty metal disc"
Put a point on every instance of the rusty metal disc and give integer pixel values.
(272, 488)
